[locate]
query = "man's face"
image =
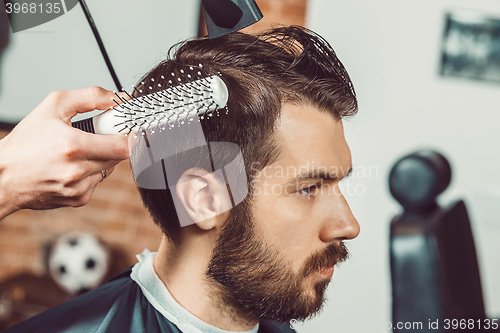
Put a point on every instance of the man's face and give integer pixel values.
(269, 256)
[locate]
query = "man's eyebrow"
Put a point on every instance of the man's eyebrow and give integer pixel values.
(320, 174)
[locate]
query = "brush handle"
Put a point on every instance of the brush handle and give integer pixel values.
(86, 125)
(104, 123)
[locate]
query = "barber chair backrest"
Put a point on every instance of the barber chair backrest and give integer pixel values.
(434, 268)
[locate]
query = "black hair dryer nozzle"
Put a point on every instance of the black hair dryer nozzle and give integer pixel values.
(226, 16)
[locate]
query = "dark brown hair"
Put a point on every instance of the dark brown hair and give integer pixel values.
(263, 71)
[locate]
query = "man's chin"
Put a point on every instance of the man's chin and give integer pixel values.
(307, 305)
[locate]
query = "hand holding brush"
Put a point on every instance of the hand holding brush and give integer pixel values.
(45, 163)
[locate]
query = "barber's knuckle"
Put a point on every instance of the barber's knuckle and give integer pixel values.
(73, 151)
(79, 190)
(83, 199)
(96, 91)
(69, 192)
(55, 96)
(69, 148)
(73, 175)
(78, 202)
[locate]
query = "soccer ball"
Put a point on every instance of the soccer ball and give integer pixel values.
(78, 262)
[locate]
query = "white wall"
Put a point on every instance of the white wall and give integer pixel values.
(63, 54)
(391, 50)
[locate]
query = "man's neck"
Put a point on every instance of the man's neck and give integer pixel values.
(182, 271)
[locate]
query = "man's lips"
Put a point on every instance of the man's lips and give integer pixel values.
(326, 271)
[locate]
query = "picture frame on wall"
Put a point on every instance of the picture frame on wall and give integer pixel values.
(471, 46)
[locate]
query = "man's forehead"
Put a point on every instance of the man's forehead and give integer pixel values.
(312, 141)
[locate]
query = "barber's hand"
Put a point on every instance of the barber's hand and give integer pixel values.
(45, 163)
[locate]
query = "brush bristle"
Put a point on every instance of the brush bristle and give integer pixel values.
(184, 99)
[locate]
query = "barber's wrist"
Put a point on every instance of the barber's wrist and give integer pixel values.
(6, 199)
(6, 206)
(5, 209)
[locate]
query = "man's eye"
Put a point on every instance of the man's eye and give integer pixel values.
(308, 191)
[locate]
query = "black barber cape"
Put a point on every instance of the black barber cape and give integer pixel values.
(117, 306)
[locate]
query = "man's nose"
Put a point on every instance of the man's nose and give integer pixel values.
(341, 224)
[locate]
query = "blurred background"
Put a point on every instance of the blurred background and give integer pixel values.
(427, 76)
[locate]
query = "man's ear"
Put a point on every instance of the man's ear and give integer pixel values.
(204, 197)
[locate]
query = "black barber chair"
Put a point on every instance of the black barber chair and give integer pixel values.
(434, 268)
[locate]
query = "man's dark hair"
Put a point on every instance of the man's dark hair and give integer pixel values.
(262, 71)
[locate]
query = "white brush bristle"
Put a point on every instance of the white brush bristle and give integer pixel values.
(179, 103)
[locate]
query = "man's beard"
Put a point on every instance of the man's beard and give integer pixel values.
(252, 277)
